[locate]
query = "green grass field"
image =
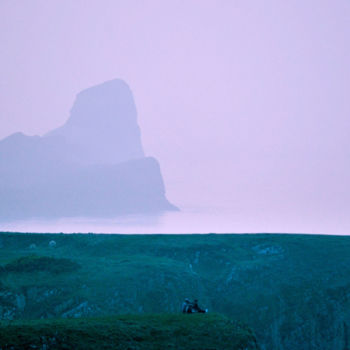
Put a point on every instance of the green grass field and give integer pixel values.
(162, 331)
(292, 290)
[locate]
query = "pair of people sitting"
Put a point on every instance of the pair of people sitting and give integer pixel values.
(189, 307)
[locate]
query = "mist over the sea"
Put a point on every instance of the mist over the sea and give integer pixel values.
(188, 220)
(243, 104)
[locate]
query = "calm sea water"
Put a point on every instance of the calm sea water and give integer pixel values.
(189, 220)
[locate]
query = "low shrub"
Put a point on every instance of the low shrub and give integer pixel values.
(34, 263)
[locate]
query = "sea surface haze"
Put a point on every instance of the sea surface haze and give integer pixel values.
(189, 220)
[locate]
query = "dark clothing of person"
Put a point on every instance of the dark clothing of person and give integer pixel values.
(189, 307)
(197, 308)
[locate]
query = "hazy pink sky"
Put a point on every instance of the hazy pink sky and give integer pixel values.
(244, 103)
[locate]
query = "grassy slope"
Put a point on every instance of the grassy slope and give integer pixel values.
(166, 331)
(291, 289)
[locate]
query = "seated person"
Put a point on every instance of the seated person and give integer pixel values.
(196, 308)
(187, 307)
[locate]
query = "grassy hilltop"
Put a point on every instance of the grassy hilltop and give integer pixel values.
(292, 290)
(162, 331)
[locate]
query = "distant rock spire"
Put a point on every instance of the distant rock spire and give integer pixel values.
(102, 127)
(93, 165)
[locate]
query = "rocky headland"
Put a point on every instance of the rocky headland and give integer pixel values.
(93, 165)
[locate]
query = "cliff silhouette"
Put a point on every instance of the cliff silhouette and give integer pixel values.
(93, 165)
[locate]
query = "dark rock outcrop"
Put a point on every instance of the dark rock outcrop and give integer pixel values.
(93, 165)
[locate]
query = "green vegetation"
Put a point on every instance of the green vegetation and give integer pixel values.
(165, 331)
(34, 263)
(292, 290)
